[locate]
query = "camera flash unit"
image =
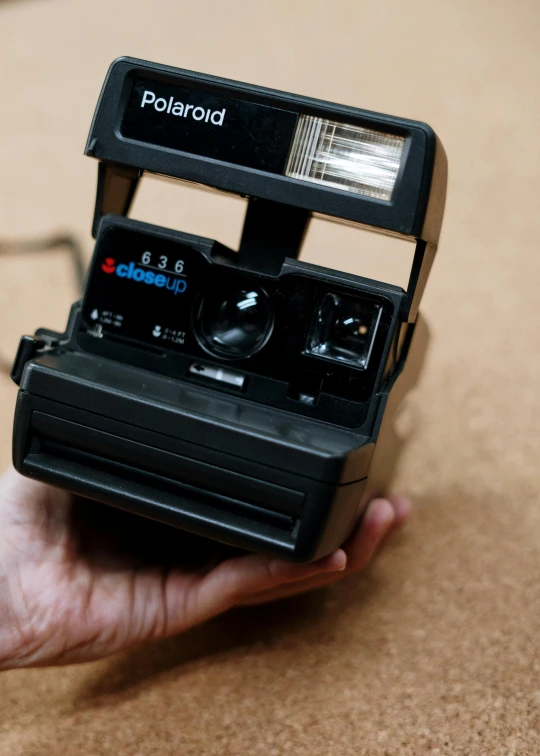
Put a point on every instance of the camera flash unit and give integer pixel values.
(346, 157)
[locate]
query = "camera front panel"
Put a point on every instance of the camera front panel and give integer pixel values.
(310, 341)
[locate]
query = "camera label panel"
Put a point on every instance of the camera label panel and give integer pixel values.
(140, 288)
(207, 124)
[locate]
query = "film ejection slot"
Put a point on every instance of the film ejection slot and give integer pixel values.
(220, 375)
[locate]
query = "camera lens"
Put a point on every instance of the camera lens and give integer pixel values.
(236, 324)
(344, 330)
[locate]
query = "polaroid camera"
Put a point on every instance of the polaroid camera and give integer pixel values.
(242, 395)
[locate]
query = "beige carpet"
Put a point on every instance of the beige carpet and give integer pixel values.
(435, 650)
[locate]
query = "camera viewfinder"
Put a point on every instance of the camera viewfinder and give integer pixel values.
(344, 330)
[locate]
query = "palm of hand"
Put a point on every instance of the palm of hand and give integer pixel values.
(79, 581)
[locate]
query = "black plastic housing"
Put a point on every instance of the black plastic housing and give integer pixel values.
(222, 467)
(284, 461)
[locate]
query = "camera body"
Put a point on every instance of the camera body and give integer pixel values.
(245, 396)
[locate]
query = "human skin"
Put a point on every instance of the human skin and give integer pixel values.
(80, 581)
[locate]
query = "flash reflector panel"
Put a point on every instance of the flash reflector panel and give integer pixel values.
(347, 157)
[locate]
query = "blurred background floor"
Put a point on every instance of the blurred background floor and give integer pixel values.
(435, 650)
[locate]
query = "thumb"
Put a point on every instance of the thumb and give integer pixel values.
(234, 580)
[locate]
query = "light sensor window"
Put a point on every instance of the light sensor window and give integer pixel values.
(346, 157)
(344, 330)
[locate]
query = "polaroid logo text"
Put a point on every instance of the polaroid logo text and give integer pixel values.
(134, 273)
(173, 107)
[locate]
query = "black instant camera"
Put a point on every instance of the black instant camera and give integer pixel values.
(245, 396)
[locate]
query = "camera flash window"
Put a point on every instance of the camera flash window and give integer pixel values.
(353, 158)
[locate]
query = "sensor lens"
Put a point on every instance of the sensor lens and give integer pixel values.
(344, 330)
(234, 325)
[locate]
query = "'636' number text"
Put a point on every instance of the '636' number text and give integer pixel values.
(162, 263)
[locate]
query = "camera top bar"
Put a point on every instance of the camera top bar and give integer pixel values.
(293, 153)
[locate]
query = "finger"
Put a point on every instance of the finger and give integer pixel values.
(376, 524)
(402, 510)
(234, 580)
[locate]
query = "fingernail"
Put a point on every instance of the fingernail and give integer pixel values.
(335, 562)
(339, 559)
(381, 513)
(402, 507)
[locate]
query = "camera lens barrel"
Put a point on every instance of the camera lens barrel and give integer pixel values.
(234, 324)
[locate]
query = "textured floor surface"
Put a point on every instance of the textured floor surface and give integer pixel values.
(435, 650)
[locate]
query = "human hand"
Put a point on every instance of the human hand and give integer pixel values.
(80, 581)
